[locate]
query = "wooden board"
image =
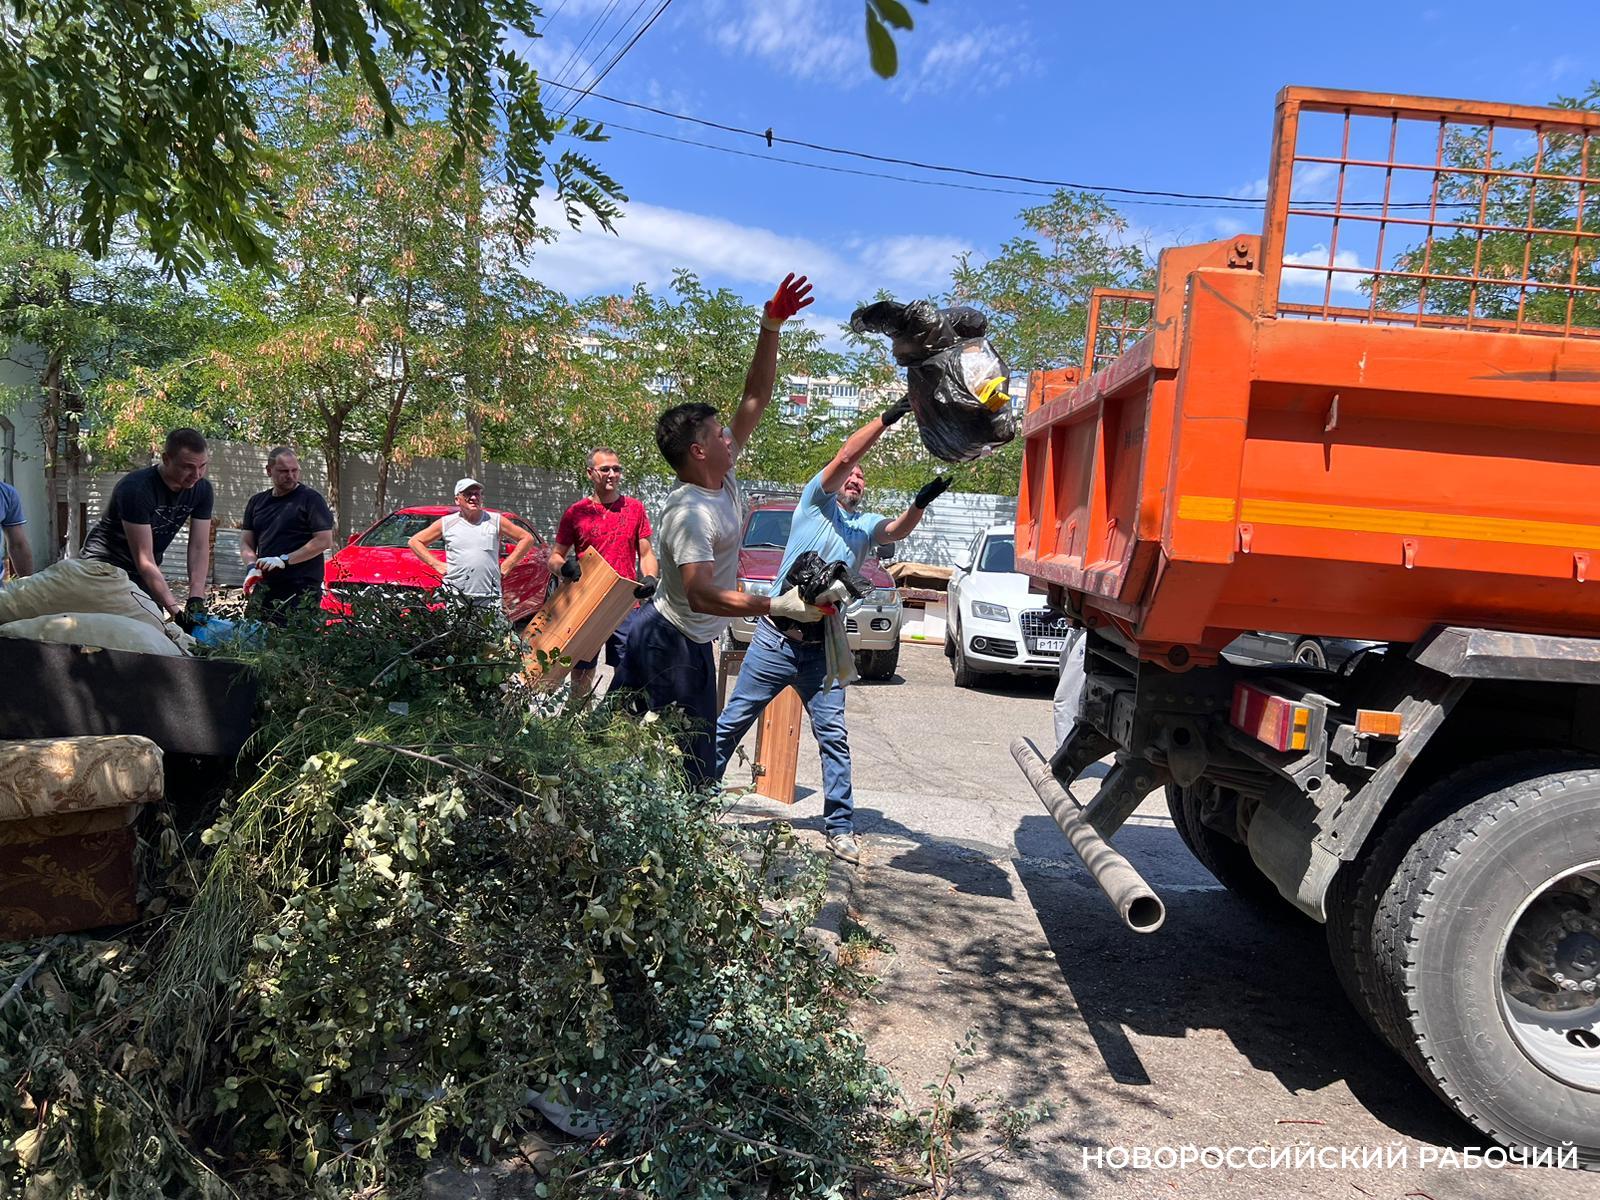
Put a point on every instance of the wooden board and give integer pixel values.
(578, 619)
(778, 747)
(728, 663)
(915, 574)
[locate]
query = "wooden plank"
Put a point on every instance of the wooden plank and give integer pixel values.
(778, 747)
(578, 619)
(728, 663)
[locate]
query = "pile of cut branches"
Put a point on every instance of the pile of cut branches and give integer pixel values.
(429, 900)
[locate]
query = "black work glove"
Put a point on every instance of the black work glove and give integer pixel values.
(570, 570)
(647, 588)
(896, 410)
(194, 613)
(931, 491)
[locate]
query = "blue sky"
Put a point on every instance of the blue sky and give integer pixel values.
(1156, 95)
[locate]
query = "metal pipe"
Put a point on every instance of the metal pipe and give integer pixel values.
(1140, 908)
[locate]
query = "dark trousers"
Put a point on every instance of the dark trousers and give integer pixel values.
(275, 603)
(668, 670)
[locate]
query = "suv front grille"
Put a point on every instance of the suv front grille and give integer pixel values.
(1041, 623)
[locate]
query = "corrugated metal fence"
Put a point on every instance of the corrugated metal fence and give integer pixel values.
(537, 494)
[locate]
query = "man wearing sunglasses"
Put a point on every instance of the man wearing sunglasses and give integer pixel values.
(619, 530)
(666, 656)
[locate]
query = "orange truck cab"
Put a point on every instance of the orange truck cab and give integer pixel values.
(1378, 419)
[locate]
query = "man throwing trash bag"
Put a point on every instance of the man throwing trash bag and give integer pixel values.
(666, 654)
(829, 521)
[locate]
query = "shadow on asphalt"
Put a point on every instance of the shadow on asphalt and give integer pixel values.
(1261, 979)
(1262, 982)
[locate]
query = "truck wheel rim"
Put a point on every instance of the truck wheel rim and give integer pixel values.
(1550, 977)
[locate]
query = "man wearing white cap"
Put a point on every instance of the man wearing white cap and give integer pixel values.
(472, 565)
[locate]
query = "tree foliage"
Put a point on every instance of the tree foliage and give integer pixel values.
(1036, 289)
(400, 316)
(1510, 200)
(429, 894)
(147, 107)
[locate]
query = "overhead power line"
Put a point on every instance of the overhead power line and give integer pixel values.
(618, 57)
(1238, 206)
(621, 29)
(771, 138)
(575, 56)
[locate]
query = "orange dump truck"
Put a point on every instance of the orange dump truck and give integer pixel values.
(1378, 420)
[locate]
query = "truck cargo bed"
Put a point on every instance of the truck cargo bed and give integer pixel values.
(1381, 415)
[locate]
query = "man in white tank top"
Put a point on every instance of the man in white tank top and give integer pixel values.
(472, 535)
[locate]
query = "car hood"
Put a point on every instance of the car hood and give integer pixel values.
(381, 564)
(761, 563)
(1006, 588)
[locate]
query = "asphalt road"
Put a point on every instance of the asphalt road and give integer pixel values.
(1226, 1029)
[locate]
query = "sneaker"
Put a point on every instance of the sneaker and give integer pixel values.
(844, 846)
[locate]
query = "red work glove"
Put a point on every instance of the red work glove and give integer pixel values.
(792, 295)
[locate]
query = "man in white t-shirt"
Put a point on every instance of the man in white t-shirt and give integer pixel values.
(667, 657)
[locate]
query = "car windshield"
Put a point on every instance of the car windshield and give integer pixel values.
(999, 555)
(396, 530)
(769, 527)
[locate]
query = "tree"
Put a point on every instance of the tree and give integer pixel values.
(73, 320)
(399, 303)
(640, 353)
(1036, 289)
(145, 106)
(1514, 200)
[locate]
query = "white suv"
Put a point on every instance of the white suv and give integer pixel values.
(996, 625)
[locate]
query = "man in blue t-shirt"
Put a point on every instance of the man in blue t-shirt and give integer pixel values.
(16, 547)
(829, 520)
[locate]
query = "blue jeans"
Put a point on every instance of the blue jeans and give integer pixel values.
(773, 663)
(670, 671)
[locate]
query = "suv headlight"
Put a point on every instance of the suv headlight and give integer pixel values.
(990, 612)
(756, 587)
(882, 596)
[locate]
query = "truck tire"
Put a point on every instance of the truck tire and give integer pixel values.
(1490, 909)
(1228, 861)
(1358, 890)
(878, 664)
(965, 676)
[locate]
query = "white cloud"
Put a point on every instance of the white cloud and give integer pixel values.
(1309, 269)
(653, 241)
(972, 60)
(914, 259)
(822, 40)
(804, 37)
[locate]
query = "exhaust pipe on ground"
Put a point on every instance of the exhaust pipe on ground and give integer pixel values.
(1139, 907)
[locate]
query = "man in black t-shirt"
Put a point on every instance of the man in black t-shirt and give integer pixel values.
(285, 532)
(146, 511)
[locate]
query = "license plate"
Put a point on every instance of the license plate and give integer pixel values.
(1051, 645)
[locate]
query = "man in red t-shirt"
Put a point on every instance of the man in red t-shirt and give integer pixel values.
(619, 530)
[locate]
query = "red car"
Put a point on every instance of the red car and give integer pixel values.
(380, 558)
(871, 624)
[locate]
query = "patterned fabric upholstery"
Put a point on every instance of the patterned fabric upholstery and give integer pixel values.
(43, 777)
(67, 844)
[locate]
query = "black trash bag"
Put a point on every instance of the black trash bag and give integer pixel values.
(955, 378)
(813, 575)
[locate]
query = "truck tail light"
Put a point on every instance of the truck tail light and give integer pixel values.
(1275, 721)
